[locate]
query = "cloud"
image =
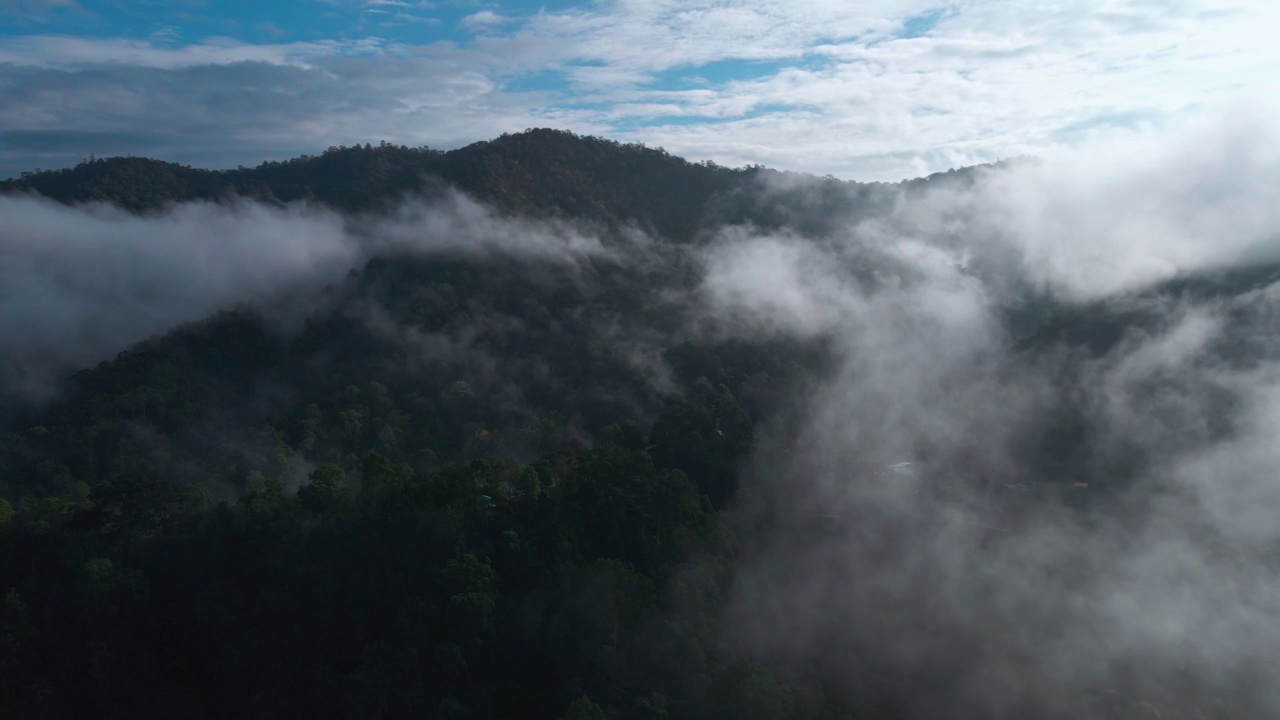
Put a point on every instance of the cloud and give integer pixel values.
(847, 90)
(455, 223)
(1129, 209)
(988, 80)
(482, 19)
(951, 594)
(79, 284)
(247, 111)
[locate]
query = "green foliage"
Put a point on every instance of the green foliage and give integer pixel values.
(584, 709)
(327, 493)
(704, 438)
(341, 521)
(414, 595)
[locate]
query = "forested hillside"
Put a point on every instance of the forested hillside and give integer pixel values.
(620, 453)
(458, 490)
(538, 172)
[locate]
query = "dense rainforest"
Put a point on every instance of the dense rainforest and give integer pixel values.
(498, 484)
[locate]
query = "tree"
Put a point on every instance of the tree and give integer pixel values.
(584, 709)
(327, 492)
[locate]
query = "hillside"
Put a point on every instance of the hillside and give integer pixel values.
(537, 171)
(584, 430)
(488, 422)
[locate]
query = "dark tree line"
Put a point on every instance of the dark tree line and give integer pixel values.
(537, 172)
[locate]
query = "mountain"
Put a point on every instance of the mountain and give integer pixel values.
(618, 453)
(462, 487)
(540, 172)
(537, 171)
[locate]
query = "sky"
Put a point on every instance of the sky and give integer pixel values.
(871, 90)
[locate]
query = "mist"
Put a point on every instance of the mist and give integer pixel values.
(79, 284)
(1129, 210)
(1129, 567)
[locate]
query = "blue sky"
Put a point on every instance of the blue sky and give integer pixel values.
(871, 90)
(178, 22)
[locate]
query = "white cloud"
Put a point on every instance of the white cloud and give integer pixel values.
(220, 115)
(844, 93)
(1171, 572)
(80, 284)
(1139, 209)
(482, 19)
(984, 85)
(93, 280)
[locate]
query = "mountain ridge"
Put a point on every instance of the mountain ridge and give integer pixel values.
(538, 172)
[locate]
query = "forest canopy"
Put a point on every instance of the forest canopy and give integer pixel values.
(557, 427)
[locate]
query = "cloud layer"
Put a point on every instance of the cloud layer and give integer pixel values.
(79, 284)
(882, 90)
(973, 589)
